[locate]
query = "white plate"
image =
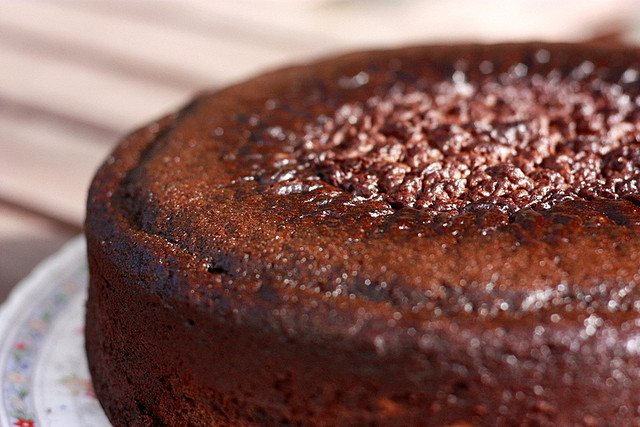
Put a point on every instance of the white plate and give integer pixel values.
(43, 368)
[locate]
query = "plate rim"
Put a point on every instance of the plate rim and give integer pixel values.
(21, 304)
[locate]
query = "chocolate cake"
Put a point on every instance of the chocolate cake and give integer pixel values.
(434, 236)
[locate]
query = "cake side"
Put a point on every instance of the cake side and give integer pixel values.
(329, 305)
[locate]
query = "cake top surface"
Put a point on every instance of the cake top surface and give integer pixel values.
(511, 141)
(394, 190)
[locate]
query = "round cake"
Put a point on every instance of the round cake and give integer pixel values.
(433, 236)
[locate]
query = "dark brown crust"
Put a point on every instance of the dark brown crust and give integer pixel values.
(223, 293)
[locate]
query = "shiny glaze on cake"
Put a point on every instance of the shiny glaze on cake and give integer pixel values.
(434, 235)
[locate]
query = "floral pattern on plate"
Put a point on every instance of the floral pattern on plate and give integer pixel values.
(43, 369)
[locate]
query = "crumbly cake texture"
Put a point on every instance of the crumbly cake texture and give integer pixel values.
(512, 141)
(440, 235)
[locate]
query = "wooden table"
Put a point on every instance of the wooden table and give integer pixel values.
(77, 75)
